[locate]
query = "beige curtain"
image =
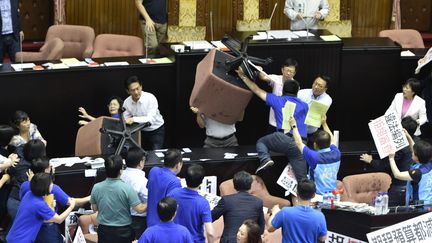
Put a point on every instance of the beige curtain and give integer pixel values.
(396, 15)
(59, 12)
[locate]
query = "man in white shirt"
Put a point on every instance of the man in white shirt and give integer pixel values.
(316, 93)
(305, 14)
(288, 70)
(135, 176)
(141, 107)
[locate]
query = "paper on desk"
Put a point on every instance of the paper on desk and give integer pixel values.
(252, 154)
(261, 36)
(156, 60)
(59, 66)
(187, 150)
(282, 34)
(303, 33)
(407, 53)
(330, 38)
(20, 67)
(70, 61)
(161, 150)
(159, 154)
(67, 161)
(90, 173)
(199, 45)
(110, 64)
(219, 45)
(230, 155)
(186, 159)
(204, 159)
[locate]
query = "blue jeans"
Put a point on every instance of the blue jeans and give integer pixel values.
(285, 144)
(9, 44)
(12, 206)
(49, 232)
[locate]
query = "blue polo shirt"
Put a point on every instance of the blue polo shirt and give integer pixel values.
(192, 212)
(60, 196)
(301, 109)
(300, 224)
(32, 212)
(324, 166)
(161, 181)
(164, 232)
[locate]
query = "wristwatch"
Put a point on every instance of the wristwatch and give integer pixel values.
(294, 126)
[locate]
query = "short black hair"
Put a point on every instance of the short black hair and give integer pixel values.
(242, 181)
(34, 149)
(410, 125)
(113, 166)
(40, 184)
(415, 85)
(134, 157)
(326, 78)
(131, 80)
(423, 151)
(17, 118)
(39, 165)
(289, 62)
(322, 139)
(291, 88)
(6, 134)
(253, 231)
(166, 208)
(306, 189)
(194, 176)
(172, 158)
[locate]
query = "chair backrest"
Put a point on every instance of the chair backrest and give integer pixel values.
(407, 38)
(110, 45)
(88, 139)
(78, 40)
(363, 188)
(258, 189)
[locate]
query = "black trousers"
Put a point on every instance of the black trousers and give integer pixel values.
(139, 224)
(117, 234)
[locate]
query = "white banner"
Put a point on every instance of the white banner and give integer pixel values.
(288, 181)
(418, 229)
(209, 185)
(333, 237)
(388, 134)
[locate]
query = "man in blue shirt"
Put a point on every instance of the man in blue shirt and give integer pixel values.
(194, 210)
(166, 230)
(282, 140)
(161, 181)
(324, 163)
(299, 223)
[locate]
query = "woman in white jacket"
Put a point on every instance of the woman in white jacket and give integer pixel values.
(409, 103)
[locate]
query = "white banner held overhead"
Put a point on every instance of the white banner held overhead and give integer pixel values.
(388, 134)
(418, 229)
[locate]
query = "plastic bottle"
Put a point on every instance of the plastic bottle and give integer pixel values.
(385, 201)
(337, 196)
(378, 204)
(326, 198)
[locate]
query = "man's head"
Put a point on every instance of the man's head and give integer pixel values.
(306, 189)
(409, 124)
(135, 158)
(320, 85)
(133, 87)
(167, 208)
(113, 166)
(422, 151)
(6, 134)
(289, 69)
(34, 149)
(173, 160)
(242, 181)
(291, 88)
(194, 176)
(321, 139)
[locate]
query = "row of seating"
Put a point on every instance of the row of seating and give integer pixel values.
(66, 41)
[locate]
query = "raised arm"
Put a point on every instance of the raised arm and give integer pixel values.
(326, 128)
(404, 175)
(60, 218)
(251, 85)
(296, 134)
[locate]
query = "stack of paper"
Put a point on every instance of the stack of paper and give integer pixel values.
(21, 66)
(198, 45)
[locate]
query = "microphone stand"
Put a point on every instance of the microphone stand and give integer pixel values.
(269, 24)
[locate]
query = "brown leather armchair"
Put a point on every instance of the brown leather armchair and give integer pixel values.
(84, 221)
(51, 50)
(363, 188)
(78, 39)
(110, 45)
(407, 38)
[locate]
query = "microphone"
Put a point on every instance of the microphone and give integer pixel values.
(271, 17)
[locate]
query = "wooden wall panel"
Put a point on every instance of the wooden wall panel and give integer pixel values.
(36, 17)
(105, 16)
(369, 17)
